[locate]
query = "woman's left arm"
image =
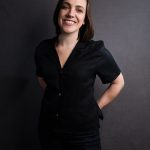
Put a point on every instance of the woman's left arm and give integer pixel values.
(111, 92)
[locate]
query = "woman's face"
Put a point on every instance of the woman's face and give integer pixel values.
(72, 15)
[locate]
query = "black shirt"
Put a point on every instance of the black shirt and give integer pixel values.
(68, 103)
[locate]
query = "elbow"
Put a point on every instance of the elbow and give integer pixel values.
(122, 82)
(119, 81)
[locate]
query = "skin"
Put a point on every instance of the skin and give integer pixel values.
(111, 92)
(71, 18)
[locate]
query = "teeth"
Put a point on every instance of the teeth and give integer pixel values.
(69, 22)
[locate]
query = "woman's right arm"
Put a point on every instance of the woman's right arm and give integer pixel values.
(42, 82)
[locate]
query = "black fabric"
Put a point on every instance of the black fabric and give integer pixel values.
(68, 103)
(70, 141)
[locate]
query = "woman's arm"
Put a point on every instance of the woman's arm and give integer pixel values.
(42, 83)
(111, 92)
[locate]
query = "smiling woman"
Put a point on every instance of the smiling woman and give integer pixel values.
(71, 16)
(66, 67)
(86, 30)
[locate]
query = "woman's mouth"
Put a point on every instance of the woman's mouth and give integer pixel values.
(69, 22)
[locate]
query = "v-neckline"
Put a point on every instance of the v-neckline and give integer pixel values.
(69, 58)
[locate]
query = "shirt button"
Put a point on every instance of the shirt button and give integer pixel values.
(59, 94)
(57, 115)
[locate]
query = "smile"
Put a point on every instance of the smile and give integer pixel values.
(69, 22)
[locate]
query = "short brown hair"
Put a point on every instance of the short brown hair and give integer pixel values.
(86, 31)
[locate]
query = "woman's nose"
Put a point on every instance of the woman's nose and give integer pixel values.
(71, 13)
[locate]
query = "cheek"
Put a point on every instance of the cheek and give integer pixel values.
(82, 19)
(60, 15)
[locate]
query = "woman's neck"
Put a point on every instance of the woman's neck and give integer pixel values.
(67, 40)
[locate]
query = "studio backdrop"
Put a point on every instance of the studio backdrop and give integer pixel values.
(124, 28)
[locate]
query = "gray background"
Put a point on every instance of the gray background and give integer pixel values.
(124, 27)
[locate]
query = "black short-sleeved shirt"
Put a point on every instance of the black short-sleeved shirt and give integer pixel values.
(68, 103)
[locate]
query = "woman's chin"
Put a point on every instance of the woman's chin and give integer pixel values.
(67, 31)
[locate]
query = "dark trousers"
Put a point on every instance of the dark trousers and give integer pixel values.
(70, 141)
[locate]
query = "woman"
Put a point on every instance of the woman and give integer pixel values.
(66, 67)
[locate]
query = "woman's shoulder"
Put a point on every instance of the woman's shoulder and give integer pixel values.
(98, 48)
(44, 44)
(97, 43)
(94, 45)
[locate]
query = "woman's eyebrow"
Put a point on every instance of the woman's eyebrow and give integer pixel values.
(79, 6)
(66, 3)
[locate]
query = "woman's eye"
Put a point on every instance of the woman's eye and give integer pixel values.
(80, 10)
(64, 7)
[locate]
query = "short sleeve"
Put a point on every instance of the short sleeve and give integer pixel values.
(107, 68)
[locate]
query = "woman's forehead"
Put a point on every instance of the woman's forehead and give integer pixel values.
(81, 3)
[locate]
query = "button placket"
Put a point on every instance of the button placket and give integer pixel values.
(60, 82)
(59, 93)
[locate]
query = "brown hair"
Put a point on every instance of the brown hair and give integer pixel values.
(86, 31)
